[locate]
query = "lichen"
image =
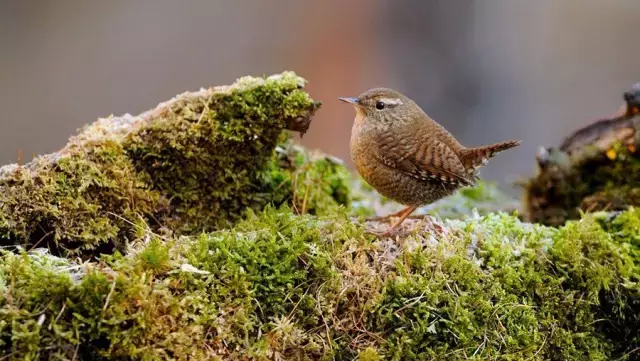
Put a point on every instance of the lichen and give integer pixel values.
(193, 164)
(280, 285)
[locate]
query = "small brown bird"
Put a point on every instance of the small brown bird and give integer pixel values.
(408, 157)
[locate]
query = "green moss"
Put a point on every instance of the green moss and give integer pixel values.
(209, 156)
(321, 184)
(194, 164)
(565, 187)
(625, 228)
(369, 354)
(220, 240)
(246, 289)
(79, 202)
(295, 287)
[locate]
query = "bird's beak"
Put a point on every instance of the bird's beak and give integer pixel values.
(353, 101)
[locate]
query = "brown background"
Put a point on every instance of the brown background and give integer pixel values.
(486, 70)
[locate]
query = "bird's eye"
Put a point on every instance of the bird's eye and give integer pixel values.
(379, 105)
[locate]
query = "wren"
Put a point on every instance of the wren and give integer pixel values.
(406, 156)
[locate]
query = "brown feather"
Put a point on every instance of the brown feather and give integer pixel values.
(408, 157)
(421, 154)
(477, 157)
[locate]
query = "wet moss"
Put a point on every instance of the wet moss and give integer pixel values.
(193, 164)
(296, 287)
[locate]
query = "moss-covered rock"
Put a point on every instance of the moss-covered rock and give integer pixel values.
(296, 287)
(192, 164)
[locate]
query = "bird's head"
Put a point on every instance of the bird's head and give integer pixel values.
(383, 106)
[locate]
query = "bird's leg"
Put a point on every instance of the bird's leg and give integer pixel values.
(419, 216)
(407, 212)
(392, 215)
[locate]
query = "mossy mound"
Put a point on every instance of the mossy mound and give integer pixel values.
(596, 169)
(282, 286)
(195, 163)
(207, 235)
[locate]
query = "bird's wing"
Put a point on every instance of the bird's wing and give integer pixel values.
(427, 159)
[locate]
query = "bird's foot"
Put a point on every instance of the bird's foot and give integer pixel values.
(386, 234)
(379, 234)
(390, 232)
(433, 225)
(387, 217)
(393, 231)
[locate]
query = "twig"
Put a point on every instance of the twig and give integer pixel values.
(306, 197)
(40, 240)
(106, 303)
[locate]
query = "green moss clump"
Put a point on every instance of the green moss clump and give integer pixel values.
(625, 228)
(321, 183)
(538, 296)
(193, 164)
(85, 201)
(369, 354)
(296, 287)
(218, 295)
(209, 156)
(597, 181)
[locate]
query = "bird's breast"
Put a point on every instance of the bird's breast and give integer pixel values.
(364, 149)
(358, 137)
(356, 129)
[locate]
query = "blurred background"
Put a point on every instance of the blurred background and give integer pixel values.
(486, 70)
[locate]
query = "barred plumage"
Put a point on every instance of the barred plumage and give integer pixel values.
(408, 157)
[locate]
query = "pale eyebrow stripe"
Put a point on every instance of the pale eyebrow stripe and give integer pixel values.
(391, 101)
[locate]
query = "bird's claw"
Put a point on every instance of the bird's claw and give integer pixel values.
(387, 217)
(382, 234)
(388, 233)
(378, 219)
(393, 231)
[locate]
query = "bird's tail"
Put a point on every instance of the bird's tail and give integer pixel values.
(474, 158)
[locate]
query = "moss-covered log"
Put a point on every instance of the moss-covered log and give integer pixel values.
(194, 163)
(596, 168)
(282, 286)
